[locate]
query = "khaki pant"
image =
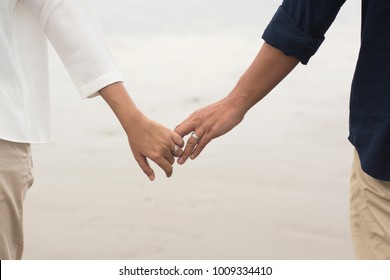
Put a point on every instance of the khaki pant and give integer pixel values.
(369, 214)
(15, 179)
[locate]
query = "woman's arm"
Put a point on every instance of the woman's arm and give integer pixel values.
(147, 138)
(76, 36)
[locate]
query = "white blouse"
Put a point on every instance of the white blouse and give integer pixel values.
(24, 84)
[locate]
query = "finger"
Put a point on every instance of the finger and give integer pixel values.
(201, 145)
(168, 155)
(177, 139)
(177, 151)
(178, 142)
(185, 128)
(191, 143)
(144, 164)
(164, 165)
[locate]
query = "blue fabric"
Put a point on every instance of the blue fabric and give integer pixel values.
(298, 29)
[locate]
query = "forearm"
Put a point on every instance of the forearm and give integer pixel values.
(267, 70)
(122, 105)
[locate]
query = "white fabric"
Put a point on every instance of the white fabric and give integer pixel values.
(24, 84)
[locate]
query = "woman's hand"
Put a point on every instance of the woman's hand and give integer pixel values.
(150, 140)
(147, 139)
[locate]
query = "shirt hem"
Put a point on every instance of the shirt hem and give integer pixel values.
(26, 141)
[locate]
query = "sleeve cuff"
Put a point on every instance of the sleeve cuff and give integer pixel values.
(284, 34)
(92, 89)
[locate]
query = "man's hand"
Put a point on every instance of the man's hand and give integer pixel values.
(206, 124)
(268, 68)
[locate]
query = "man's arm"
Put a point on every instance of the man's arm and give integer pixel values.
(294, 34)
(269, 68)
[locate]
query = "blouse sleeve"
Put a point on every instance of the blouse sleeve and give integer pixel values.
(76, 36)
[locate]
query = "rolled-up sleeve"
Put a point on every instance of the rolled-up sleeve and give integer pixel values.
(298, 27)
(76, 36)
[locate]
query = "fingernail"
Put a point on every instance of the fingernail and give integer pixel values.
(151, 177)
(180, 161)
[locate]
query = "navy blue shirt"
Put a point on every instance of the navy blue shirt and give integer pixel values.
(298, 29)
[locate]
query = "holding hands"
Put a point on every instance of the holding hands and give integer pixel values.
(206, 124)
(150, 140)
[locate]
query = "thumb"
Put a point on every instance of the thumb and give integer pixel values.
(184, 128)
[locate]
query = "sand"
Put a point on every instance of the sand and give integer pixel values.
(276, 187)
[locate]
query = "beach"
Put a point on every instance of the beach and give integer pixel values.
(275, 187)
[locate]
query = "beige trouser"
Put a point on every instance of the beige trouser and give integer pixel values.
(15, 179)
(369, 214)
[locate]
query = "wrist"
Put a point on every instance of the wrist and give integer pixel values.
(239, 100)
(133, 120)
(129, 116)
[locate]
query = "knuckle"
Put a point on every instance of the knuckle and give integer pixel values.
(201, 145)
(155, 156)
(191, 142)
(146, 171)
(186, 153)
(211, 129)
